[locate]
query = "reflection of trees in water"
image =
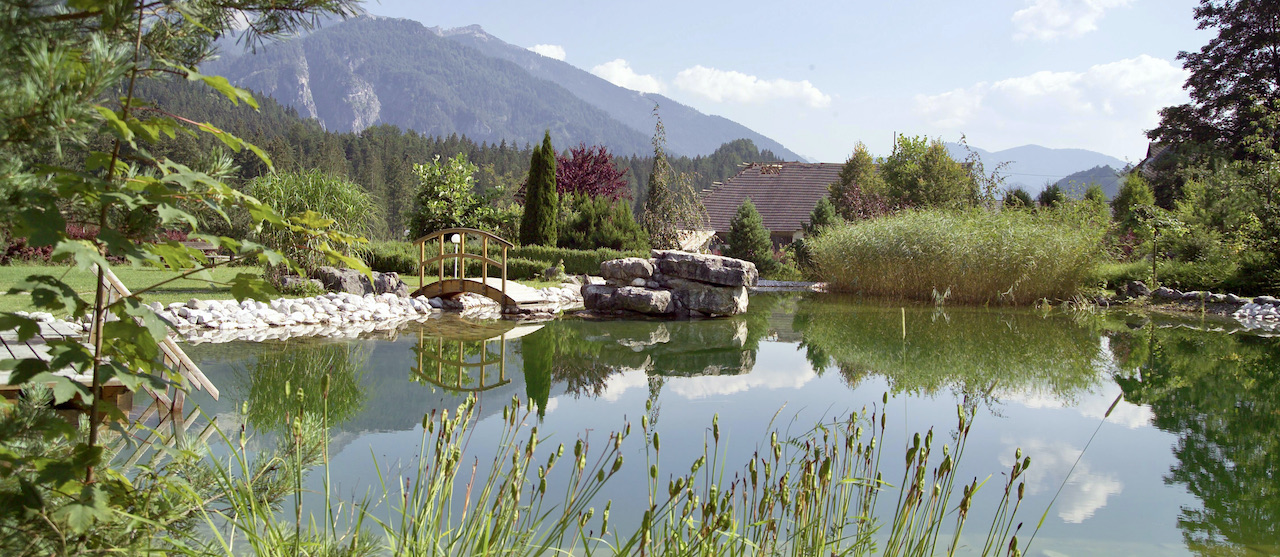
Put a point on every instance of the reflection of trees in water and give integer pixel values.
(289, 382)
(967, 349)
(585, 354)
(1221, 395)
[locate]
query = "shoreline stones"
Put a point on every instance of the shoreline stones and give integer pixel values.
(673, 284)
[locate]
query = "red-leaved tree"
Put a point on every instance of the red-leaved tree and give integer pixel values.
(590, 171)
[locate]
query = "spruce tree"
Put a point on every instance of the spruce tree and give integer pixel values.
(749, 239)
(541, 203)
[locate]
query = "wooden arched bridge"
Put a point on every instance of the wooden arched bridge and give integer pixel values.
(448, 251)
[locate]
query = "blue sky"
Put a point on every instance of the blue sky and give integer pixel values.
(821, 76)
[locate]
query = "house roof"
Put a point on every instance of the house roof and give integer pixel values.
(784, 194)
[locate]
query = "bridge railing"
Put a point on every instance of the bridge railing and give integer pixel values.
(459, 256)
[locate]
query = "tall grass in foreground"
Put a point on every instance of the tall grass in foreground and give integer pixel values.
(974, 257)
(813, 494)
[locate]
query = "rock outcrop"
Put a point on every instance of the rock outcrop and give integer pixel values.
(674, 284)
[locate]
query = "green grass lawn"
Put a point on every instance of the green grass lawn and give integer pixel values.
(177, 291)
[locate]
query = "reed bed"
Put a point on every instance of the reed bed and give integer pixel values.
(970, 257)
(816, 493)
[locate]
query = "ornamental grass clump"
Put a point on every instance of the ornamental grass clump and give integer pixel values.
(1013, 257)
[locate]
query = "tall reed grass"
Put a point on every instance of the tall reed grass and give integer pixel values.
(1014, 257)
(813, 494)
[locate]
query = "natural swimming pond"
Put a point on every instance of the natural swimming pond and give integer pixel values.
(1186, 460)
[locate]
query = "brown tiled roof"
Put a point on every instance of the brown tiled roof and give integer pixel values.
(784, 193)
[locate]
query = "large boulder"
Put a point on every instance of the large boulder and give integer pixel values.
(627, 269)
(709, 299)
(599, 297)
(354, 282)
(389, 283)
(343, 280)
(711, 269)
(644, 300)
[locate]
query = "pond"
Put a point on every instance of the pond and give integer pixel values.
(1148, 435)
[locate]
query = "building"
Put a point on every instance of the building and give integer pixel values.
(784, 194)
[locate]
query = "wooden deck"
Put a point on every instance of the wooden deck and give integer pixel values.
(38, 348)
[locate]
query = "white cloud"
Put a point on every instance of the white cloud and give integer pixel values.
(1106, 107)
(549, 50)
(737, 87)
(619, 72)
(1046, 20)
(1083, 493)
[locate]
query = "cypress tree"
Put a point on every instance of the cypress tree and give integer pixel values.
(541, 203)
(749, 239)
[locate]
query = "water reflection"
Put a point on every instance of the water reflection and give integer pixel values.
(1218, 393)
(1221, 395)
(287, 383)
(970, 350)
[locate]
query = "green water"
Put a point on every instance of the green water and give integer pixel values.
(1186, 461)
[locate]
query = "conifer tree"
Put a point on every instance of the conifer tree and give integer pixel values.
(749, 239)
(541, 202)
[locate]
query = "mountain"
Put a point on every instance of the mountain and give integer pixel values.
(371, 70)
(1031, 167)
(1105, 176)
(689, 132)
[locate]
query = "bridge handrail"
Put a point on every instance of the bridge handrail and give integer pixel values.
(461, 255)
(452, 231)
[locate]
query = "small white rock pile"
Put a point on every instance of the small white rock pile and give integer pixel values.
(1254, 315)
(334, 314)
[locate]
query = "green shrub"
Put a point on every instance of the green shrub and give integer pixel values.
(1115, 276)
(392, 257)
(1012, 256)
(576, 262)
(597, 222)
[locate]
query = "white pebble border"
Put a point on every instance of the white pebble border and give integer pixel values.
(1259, 316)
(335, 315)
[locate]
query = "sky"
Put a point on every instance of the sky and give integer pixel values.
(819, 77)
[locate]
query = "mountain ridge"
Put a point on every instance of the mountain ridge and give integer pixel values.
(689, 132)
(374, 69)
(1032, 167)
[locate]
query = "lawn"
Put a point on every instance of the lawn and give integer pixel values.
(177, 291)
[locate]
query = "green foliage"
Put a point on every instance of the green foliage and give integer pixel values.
(68, 67)
(1010, 257)
(1018, 198)
(392, 257)
(1134, 193)
(749, 239)
(446, 198)
(542, 203)
(671, 204)
(576, 262)
(332, 198)
(858, 179)
(1051, 196)
(921, 173)
(822, 216)
(597, 222)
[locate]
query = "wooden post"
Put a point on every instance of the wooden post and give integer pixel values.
(502, 358)
(462, 250)
(504, 272)
(484, 265)
(422, 266)
(440, 264)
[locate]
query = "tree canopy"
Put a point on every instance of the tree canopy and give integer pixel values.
(1230, 77)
